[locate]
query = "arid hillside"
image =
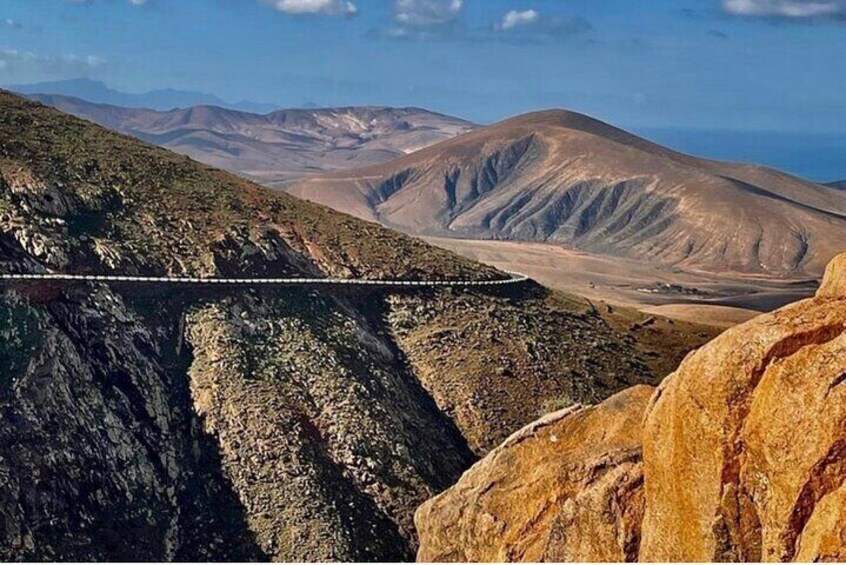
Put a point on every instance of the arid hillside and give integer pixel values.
(276, 147)
(736, 456)
(158, 423)
(564, 178)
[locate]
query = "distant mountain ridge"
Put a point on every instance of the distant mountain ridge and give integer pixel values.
(275, 147)
(564, 178)
(162, 99)
(841, 184)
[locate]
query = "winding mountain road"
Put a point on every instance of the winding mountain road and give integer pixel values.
(60, 277)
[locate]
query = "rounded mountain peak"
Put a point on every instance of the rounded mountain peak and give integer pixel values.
(570, 120)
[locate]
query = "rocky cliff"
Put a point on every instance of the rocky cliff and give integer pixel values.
(738, 456)
(145, 423)
(744, 445)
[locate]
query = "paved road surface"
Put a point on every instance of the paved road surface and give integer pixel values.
(515, 279)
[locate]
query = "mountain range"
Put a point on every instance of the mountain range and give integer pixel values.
(188, 423)
(564, 178)
(178, 423)
(163, 99)
(278, 146)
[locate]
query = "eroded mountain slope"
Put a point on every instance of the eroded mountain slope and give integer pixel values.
(564, 178)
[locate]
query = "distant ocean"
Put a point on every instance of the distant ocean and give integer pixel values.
(816, 157)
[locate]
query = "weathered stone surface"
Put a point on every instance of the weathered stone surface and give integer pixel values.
(566, 487)
(824, 536)
(745, 445)
(834, 281)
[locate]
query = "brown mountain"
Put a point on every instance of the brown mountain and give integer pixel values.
(160, 423)
(277, 146)
(564, 178)
(738, 456)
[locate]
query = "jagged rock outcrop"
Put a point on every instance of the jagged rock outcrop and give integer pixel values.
(743, 458)
(833, 284)
(565, 488)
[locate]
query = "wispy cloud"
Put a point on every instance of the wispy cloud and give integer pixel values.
(442, 20)
(424, 19)
(514, 19)
(427, 13)
(788, 10)
(12, 24)
(344, 8)
(531, 25)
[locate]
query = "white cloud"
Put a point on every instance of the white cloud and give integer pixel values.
(427, 13)
(787, 9)
(514, 19)
(321, 7)
(528, 25)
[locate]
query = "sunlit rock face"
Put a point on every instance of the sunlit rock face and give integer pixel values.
(744, 445)
(565, 488)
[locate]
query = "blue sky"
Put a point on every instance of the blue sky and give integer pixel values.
(731, 64)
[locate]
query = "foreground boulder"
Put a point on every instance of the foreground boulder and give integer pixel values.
(743, 458)
(566, 488)
(745, 445)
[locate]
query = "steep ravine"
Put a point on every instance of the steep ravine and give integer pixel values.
(270, 425)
